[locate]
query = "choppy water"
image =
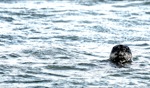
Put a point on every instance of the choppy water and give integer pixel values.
(66, 44)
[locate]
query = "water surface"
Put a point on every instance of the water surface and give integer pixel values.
(66, 44)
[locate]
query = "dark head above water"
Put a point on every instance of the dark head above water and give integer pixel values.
(120, 55)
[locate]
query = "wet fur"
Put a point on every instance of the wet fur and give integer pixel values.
(121, 55)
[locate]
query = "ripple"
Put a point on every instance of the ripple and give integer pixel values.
(61, 21)
(146, 3)
(36, 81)
(20, 28)
(73, 38)
(39, 37)
(8, 19)
(14, 55)
(57, 67)
(63, 56)
(141, 77)
(11, 39)
(131, 4)
(87, 64)
(38, 87)
(144, 44)
(40, 15)
(54, 74)
(48, 53)
(147, 13)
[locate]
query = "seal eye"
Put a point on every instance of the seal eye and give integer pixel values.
(124, 49)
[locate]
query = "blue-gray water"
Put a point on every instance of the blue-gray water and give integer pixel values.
(66, 44)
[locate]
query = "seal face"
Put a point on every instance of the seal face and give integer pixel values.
(120, 55)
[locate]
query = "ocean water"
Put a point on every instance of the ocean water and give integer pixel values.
(66, 44)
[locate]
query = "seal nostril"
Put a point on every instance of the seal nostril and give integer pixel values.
(121, 53)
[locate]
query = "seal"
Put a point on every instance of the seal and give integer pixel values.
(120, 55)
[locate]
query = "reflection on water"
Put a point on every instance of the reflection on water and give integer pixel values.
(67, 43)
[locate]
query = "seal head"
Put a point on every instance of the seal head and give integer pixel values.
(120, 55)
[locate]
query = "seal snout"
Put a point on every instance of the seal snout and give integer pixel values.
(120, 53)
